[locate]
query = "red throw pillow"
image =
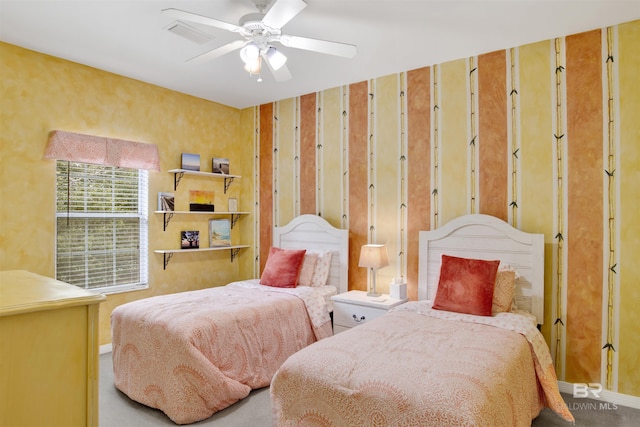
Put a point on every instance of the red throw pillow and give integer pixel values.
(282, 268)
(466, 285)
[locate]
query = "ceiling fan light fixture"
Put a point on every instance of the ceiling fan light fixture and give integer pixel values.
(276, 58)
(250, 53)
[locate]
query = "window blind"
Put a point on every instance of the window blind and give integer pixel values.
(102, 230)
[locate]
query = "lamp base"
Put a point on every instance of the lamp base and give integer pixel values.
(372, 291)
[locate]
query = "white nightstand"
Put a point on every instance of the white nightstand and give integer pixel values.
(354, 308)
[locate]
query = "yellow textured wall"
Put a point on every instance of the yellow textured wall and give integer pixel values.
(39, 93)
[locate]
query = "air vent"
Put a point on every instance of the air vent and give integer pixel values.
(188, 32)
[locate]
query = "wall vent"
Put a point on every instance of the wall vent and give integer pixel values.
(188, 32)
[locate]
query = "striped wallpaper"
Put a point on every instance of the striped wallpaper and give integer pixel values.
(545, 136)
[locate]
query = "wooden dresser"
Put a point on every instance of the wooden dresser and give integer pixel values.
(49, 358)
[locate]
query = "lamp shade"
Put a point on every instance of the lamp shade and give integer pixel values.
(373, 256)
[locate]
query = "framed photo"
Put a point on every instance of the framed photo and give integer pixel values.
(201, 201)
(191, 162)
(219, 233)
(166, 201)
(220, 165)
(189, 240)
(233, 205)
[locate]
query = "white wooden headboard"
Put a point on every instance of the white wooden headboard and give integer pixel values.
(314, 232)
(486, 237)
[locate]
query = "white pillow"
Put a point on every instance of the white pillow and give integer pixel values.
(308, 267)
(322, 267)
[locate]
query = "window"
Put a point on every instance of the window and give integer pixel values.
(101, 226)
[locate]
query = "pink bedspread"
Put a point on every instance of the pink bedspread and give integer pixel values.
(194, 353)
(411, 368)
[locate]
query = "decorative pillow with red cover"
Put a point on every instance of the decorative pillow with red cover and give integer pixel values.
(466, 285)
(282, 268)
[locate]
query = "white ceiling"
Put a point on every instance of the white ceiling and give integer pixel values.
(130, 38)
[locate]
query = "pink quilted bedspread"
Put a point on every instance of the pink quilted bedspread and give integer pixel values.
(194, 353)
(409, 368)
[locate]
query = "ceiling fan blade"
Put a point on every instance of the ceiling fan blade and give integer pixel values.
(282, 12)
(323, 46)
(282, 74)
(199, 19)
(217, 52)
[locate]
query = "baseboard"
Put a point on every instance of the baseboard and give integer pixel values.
(105, 348)
(606, 395)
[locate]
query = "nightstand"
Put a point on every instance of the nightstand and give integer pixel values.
(354, 308)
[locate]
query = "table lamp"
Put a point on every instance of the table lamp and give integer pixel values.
(373, 257)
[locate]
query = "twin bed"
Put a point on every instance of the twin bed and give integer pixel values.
(191, 354)
(424, 366)
(420, 364)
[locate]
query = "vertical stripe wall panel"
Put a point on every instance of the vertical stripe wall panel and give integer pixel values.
(332, 145)
(419, 168)
(628, 177)
(384, 176)
(453, 143)
(265, 207)
(285, 153)
(583, 238)
(358, 164)
(308, 154)
(493, 139)
(536, 151)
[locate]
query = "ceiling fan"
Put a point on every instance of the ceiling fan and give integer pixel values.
(259, 31)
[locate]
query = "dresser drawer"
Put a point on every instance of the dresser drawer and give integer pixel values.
(350, 315)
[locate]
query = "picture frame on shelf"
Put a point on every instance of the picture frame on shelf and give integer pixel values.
(166, 201)
(220, 165)
(191, 162)
(219, 233)
(233, 204)
(201, 201)
(190, 239)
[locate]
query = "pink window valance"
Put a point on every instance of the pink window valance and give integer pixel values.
(98, 150)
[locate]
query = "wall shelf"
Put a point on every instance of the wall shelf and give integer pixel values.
(168, 253)
(169, 214)
(179, 173)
